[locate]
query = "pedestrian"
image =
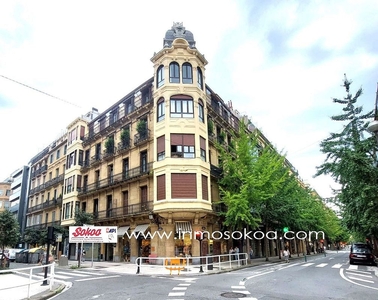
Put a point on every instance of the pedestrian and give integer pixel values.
(231, 252)
(83, 255)
(236, 250)
(286, 254)
(251, 253)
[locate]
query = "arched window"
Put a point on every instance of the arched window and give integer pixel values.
(160, 110)
(201, 111)
(199, 78)
(181, 106)
(174, 72)
(187, 74)
(160, 76)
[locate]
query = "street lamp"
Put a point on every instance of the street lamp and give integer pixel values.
(199, 237)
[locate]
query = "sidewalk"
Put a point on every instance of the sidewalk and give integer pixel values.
(41, 292)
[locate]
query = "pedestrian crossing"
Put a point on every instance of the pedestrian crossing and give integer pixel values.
(77, 275)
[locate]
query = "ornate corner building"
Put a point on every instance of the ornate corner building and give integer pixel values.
(148, 164)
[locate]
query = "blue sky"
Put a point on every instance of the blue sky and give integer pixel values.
(280, 62)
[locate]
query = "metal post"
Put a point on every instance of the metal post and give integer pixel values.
(92, 257)
(201, 270)
(46, 263)
(138, 264)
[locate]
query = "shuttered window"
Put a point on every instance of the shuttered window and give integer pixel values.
(161, 147)
(182, 145)
(205, 191)
(203, 148)
(161, 187)
(184, 186)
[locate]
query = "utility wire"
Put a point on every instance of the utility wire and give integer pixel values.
(25, 85)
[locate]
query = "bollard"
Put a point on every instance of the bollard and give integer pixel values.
(325, 254)
(138, 268)
(305, 257)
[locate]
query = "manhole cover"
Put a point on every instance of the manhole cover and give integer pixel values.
(233, 295)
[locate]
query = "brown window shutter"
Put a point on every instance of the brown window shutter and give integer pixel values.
(161, 187)
(205, 191)
(161, 144)
(202, 143)
(176, 139)
(188, 140)
(184, 186)
(181, 97)
(82, 132)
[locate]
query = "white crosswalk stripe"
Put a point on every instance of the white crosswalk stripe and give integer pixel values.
(321, 265)
(337, 266)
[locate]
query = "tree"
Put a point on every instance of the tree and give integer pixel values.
(82, 217)
(251, 175)
(9, 230)
(350, 160)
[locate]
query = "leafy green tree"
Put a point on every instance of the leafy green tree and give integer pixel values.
(9, 230)
(32, 236)
(350, 160)
(82, 217)
(251, 175)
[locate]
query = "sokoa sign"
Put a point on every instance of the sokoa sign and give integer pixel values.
(93, 234)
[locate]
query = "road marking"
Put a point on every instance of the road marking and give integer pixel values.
(89, 273)
(364, 280)
(308, 264)
(238, 287)
(331, 258)
(363, 275)
(356, 271)
(242, 292)
(259, 274)
(184, 284)
(174, 294)
(96, 278)
(249, 298)
(337, 266)
(178, 288)
(353, 267)
(321, 265)
(75, 274)
(356, 283)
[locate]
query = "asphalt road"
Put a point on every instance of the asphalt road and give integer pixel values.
(320, 277)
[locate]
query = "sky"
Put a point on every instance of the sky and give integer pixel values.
(279, 62)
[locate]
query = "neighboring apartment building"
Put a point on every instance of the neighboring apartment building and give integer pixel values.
(5, 191)
(19, 198)
(46, 185)
(147, 164)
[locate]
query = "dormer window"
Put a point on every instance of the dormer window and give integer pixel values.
(174, 72)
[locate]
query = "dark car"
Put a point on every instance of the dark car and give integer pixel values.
(361, 253)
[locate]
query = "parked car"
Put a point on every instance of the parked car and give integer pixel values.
(12, 254)
(361, 253)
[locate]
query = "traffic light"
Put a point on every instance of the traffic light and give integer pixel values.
(285, 229)
(50, 233)
(199, 235)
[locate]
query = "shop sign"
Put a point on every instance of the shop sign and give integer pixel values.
(93, 234)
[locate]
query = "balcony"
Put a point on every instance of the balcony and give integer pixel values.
(95, 160)
(121, 212)
(215, 171)
(141, 137)
(124, 146)
(86, 165)
(109, 153)
(115, 180)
